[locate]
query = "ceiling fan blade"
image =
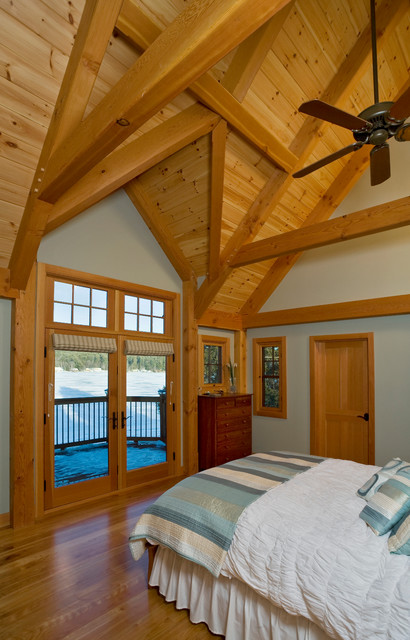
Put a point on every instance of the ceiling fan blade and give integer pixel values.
(401, 108)
(403, 134)
(379, 164)
(333, 156)
(324, 111)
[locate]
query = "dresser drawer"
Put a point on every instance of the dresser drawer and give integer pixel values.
(231, 414)
(241, 438)
(233, 424)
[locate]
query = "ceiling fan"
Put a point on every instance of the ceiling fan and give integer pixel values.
(375, 125)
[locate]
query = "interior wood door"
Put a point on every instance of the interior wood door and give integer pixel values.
(342, 397)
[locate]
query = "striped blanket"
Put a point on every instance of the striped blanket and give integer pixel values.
(198, 516)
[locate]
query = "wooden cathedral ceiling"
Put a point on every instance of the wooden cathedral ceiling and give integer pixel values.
(192, 108)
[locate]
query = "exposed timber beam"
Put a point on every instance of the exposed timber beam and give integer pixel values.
(138, 28)
(152, 219)
(132, 159)
(251, 53)
(95, 29)
(208, 290)
(221, 320)
(304, 142)
(389, 306)
(5, 290)
(333, 197)
(217, 184)
(382, 217)
(190, 378)
(199, 37)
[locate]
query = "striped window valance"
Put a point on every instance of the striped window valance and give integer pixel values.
(66, 342)
(147, 348)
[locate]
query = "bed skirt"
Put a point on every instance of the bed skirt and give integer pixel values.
(229, 607)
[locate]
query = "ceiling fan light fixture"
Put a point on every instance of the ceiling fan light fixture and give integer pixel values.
(374, 125)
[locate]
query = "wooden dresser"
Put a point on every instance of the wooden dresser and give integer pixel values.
(224, 428)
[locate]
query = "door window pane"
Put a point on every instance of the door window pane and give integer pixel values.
(80, 416)
(146, 411)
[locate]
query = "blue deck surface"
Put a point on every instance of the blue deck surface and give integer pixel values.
(75, 464)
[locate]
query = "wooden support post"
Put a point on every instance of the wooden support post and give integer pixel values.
(190, 379)
(240, 359)
(22, 503)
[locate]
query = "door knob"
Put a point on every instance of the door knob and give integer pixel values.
(365, 417)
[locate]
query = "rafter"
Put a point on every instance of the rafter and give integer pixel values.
(152, 219)
(95, 29)
(388, 306)
(221, 320)
(338, 190)
(138, 28)
(5, 290)
(341, 85)
(201, 35)
(131, 160)
(251, 53)
(329, 202)
(217, 183)
(383, 217)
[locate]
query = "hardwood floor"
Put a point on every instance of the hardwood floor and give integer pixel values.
(72, 576)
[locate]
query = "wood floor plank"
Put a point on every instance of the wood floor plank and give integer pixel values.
(71, 577)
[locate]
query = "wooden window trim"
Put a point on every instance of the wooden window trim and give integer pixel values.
(116, 290)
(258, 408)
(218, 341)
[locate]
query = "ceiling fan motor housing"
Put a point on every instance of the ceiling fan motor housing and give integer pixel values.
(381, 125)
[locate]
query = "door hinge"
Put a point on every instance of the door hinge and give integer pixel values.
(173, 406)
(45, 485)
(45, 352)
(173, 357)
(173, 455)
(45, 418)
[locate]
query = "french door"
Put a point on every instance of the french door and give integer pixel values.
(108, 415)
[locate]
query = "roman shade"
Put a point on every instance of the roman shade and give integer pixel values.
(148, 348)
(66, 342)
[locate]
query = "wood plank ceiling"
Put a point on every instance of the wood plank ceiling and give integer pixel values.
(192, 107)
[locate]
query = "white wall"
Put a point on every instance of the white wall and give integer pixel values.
(370, 267)
(392, 386)
(111, 239)
(5, 324)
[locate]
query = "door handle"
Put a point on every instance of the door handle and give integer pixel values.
(365, 417)
(114, 420)
(124, 419)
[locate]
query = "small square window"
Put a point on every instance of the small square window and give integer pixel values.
(62, 312)
(145, 323)
(145, 306)
(81, 315)
(63, 292)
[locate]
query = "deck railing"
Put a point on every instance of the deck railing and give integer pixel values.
(80, 421)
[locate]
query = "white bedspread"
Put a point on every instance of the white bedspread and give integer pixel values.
(303, 546)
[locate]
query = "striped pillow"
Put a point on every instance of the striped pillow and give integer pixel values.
(371, 486)
(389, 504)
(399, 540)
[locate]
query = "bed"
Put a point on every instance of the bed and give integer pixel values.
(296, 558)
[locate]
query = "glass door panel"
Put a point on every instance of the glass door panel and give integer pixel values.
(146, 411)
(81, 426)
(80, 417)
